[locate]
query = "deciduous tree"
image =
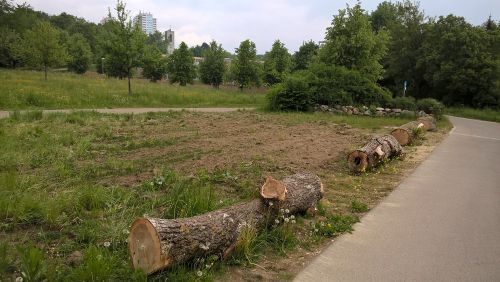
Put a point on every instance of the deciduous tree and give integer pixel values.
(79, 52)
(213, 67)
(277, 63)
(181, 66)
(41, 47)
(244, 68)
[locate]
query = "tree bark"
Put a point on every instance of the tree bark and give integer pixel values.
(429, 122)
(156, 244)
(129, 88)
(373, 153)
(407, 133)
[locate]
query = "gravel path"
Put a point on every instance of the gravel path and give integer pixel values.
(5, 114)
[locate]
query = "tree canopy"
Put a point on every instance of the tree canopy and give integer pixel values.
(245, 68)
(213, 67)
(277, 63)
(181, 66)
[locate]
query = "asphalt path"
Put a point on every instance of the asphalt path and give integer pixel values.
(441, 224)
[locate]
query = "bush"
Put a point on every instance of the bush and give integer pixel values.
(405, 103)
(334, 85)
(431, 106)
(292, 95)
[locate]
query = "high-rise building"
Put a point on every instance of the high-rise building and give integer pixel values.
(170, 38)
(146, 22)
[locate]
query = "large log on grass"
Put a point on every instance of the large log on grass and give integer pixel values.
(155, 244)
(407, 133)
(373, 153)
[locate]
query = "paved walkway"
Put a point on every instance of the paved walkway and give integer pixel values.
(5, 114)
(441, 224)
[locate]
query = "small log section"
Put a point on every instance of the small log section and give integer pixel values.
(155, 244)
(406, 133)
(373, 153)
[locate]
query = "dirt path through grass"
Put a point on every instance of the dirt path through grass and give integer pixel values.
(6, 114)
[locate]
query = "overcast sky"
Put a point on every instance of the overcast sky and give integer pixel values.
(263, 21)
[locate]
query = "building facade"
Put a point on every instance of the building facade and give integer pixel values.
(170, 39)
(146, 22)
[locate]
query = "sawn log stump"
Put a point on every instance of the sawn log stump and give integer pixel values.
(373, 153)
(155, 244)
(407, 133)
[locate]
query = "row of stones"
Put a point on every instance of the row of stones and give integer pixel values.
(365, 111)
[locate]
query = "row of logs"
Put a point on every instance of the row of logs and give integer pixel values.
(155, 244)
(388, 146)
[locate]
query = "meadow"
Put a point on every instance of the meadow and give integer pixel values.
(21, 89)
(482, 114)
(71, 185)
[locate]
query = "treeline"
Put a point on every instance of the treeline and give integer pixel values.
(366, 58)
(395, 51)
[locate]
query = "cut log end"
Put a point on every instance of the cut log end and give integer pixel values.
(358, 161)
(273, 189)
(145, 247)
(402, 135)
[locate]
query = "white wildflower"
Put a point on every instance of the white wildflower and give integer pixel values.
(287, 211)
(19, 279)
(282, 210)
(107, 244)
(270, 204)
(292, 217)
(316, 230)
(293, 221)
(125, 231)
(199, 273)
(287, 219)
(277, 221)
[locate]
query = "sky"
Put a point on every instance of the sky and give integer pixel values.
(263, 21)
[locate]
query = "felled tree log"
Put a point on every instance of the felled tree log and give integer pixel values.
(429, 122)
(155, 244)
(376, 151)
(406, 133)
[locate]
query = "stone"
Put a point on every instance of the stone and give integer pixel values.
(397, 110)
(323, 108)
(338, 107)
(387, 109)
(75, 258)
(355, 111)
(379, 109)
(367, 113)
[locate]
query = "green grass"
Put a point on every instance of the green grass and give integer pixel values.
(28, 90)
(484, 114)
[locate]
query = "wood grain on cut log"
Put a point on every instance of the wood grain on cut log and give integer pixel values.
(407, 133)
(155, 244)
(376, 151)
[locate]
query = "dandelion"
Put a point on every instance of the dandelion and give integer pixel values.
(293, 221)
(287, 220)
(107, 244)
(199, 273)
(282, 210)
(292, 217)
(125, 231)
(316, 230)
(19, 279)
(277, 221)
(270, 204)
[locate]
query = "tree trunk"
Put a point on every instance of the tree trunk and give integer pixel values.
(407, 133)
(129, 88)
(376, 151)
(156, 244)
(429, 122)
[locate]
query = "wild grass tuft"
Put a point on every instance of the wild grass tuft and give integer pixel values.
(187, 197)
(33, 266)
(358, 207)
